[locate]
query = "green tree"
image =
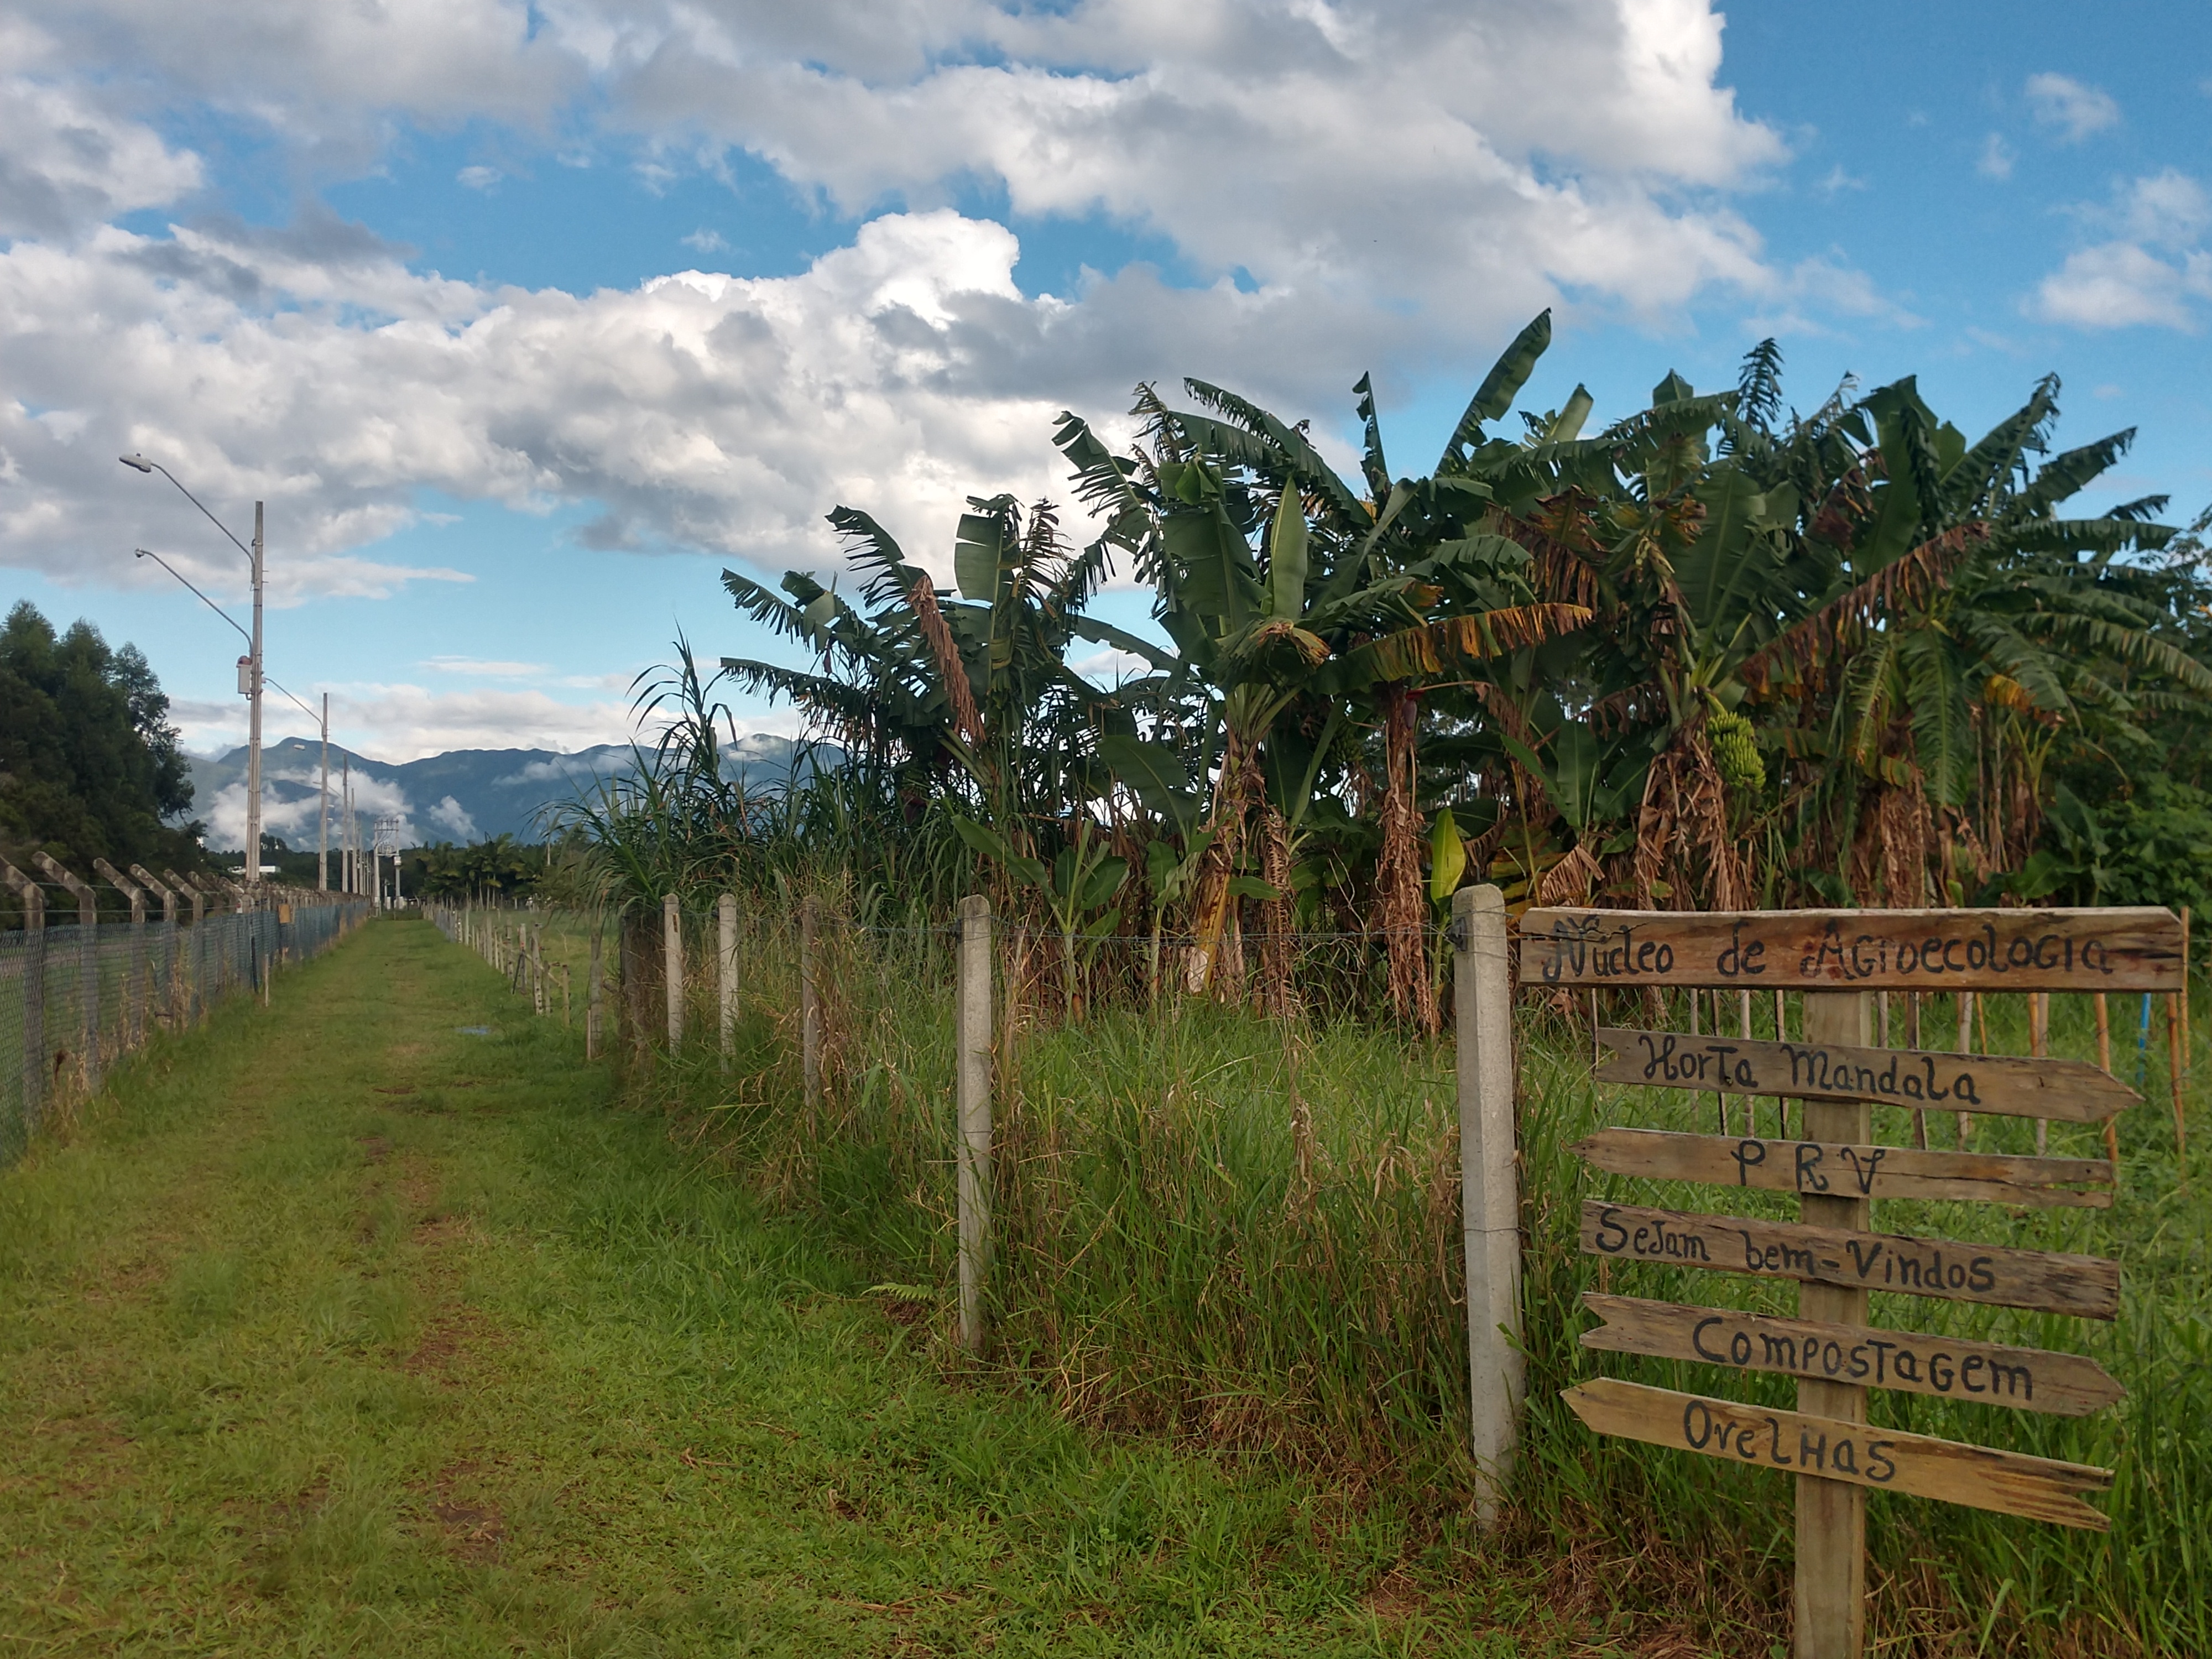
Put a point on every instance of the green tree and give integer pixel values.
(90, 766)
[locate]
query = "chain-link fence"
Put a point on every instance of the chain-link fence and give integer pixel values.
(75, 1000)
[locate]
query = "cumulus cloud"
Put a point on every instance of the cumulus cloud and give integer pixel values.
(2070, 107)
(66, 164)
(1995, 160)
(401, 721)
(1359, 185)
(450, 816)
(2153, 271)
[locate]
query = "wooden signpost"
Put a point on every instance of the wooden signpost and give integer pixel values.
(1838, 1170)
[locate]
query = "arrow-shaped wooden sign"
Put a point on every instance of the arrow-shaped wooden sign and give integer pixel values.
(1831, 1169)
(1987, 1373)
(2041, 1488)
(2005, 1085)
(2085, 1286)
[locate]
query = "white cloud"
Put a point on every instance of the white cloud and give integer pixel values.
(2120, 284)
(452, 817)
(401, 721)
(2167, 209)
(1995, 160)
(1823, 288)
(2071, 107)
(478, 668)
(67, 164)
(1400, 187)
(478, 177)
(2151, 272)
(1839, 181)
(706, 241)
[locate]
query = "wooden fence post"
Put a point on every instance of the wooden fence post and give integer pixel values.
(34, 990)
(810, 1007)
(671, 969)
(591, 998)
(972, 1040)
(1831, 1588)
(1490, 1188)
(726, 912)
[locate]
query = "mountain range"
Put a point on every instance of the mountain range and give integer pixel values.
(464, 795)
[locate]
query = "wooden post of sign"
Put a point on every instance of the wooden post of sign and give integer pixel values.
(1490, 1188)
(1830, 1586)
(2177, 1050)
(2038, 1045)
(2104, 1064)
(1966, 1047)
(725, 915)
(809, 1008)
(672, 947)
(972, 1080)
(591, 998)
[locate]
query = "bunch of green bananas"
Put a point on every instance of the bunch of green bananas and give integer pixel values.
(1735, 752)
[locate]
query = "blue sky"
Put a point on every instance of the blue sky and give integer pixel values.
(416, 296)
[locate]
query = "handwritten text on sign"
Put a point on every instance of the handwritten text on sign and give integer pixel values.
(2111, 949)
(2040, 1488)
(2086, 1286)
(2007, 1085)
(1833, 1170)
(1988, 1373)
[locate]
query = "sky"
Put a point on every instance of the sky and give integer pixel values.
(527, 321)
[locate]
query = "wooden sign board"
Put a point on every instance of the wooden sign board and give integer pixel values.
(1830, 1170)
(2085, 1286)
(2041, 1488)
(2005, 1086)
(2112, 949)
(1987, 1373)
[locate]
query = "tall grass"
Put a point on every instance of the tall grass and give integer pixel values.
(1244, 1233)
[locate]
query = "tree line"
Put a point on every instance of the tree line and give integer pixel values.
(1714, 654)
(91, 767)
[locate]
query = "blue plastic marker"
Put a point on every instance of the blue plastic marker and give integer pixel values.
(2143, 1046)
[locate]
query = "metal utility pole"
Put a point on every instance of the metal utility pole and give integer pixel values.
(323, 828)
(345, 822)
(249, 666)
(253, 725)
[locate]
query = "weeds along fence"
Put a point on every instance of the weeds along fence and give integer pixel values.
(76, 998)
(1243, 1228)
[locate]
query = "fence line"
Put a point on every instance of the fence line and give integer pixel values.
(76, 998)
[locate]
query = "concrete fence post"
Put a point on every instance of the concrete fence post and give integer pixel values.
(134, 983)
(726, 912)
(34, 990)
(194, 998)
(671, 946)
(167, 895)
(88, 966)
(972, 1043)
(1490, 1186)
(810, 1006)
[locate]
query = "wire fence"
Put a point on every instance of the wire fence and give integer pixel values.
(75, 1000)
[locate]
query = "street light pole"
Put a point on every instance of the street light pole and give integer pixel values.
(323, 825)
(252, 674)
(254, 724)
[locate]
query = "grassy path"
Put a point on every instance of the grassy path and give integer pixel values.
(347, 1329)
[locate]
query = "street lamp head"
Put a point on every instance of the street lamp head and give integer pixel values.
(138, 461)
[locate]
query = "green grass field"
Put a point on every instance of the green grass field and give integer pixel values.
(343, 1327)
(1224, 1232)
